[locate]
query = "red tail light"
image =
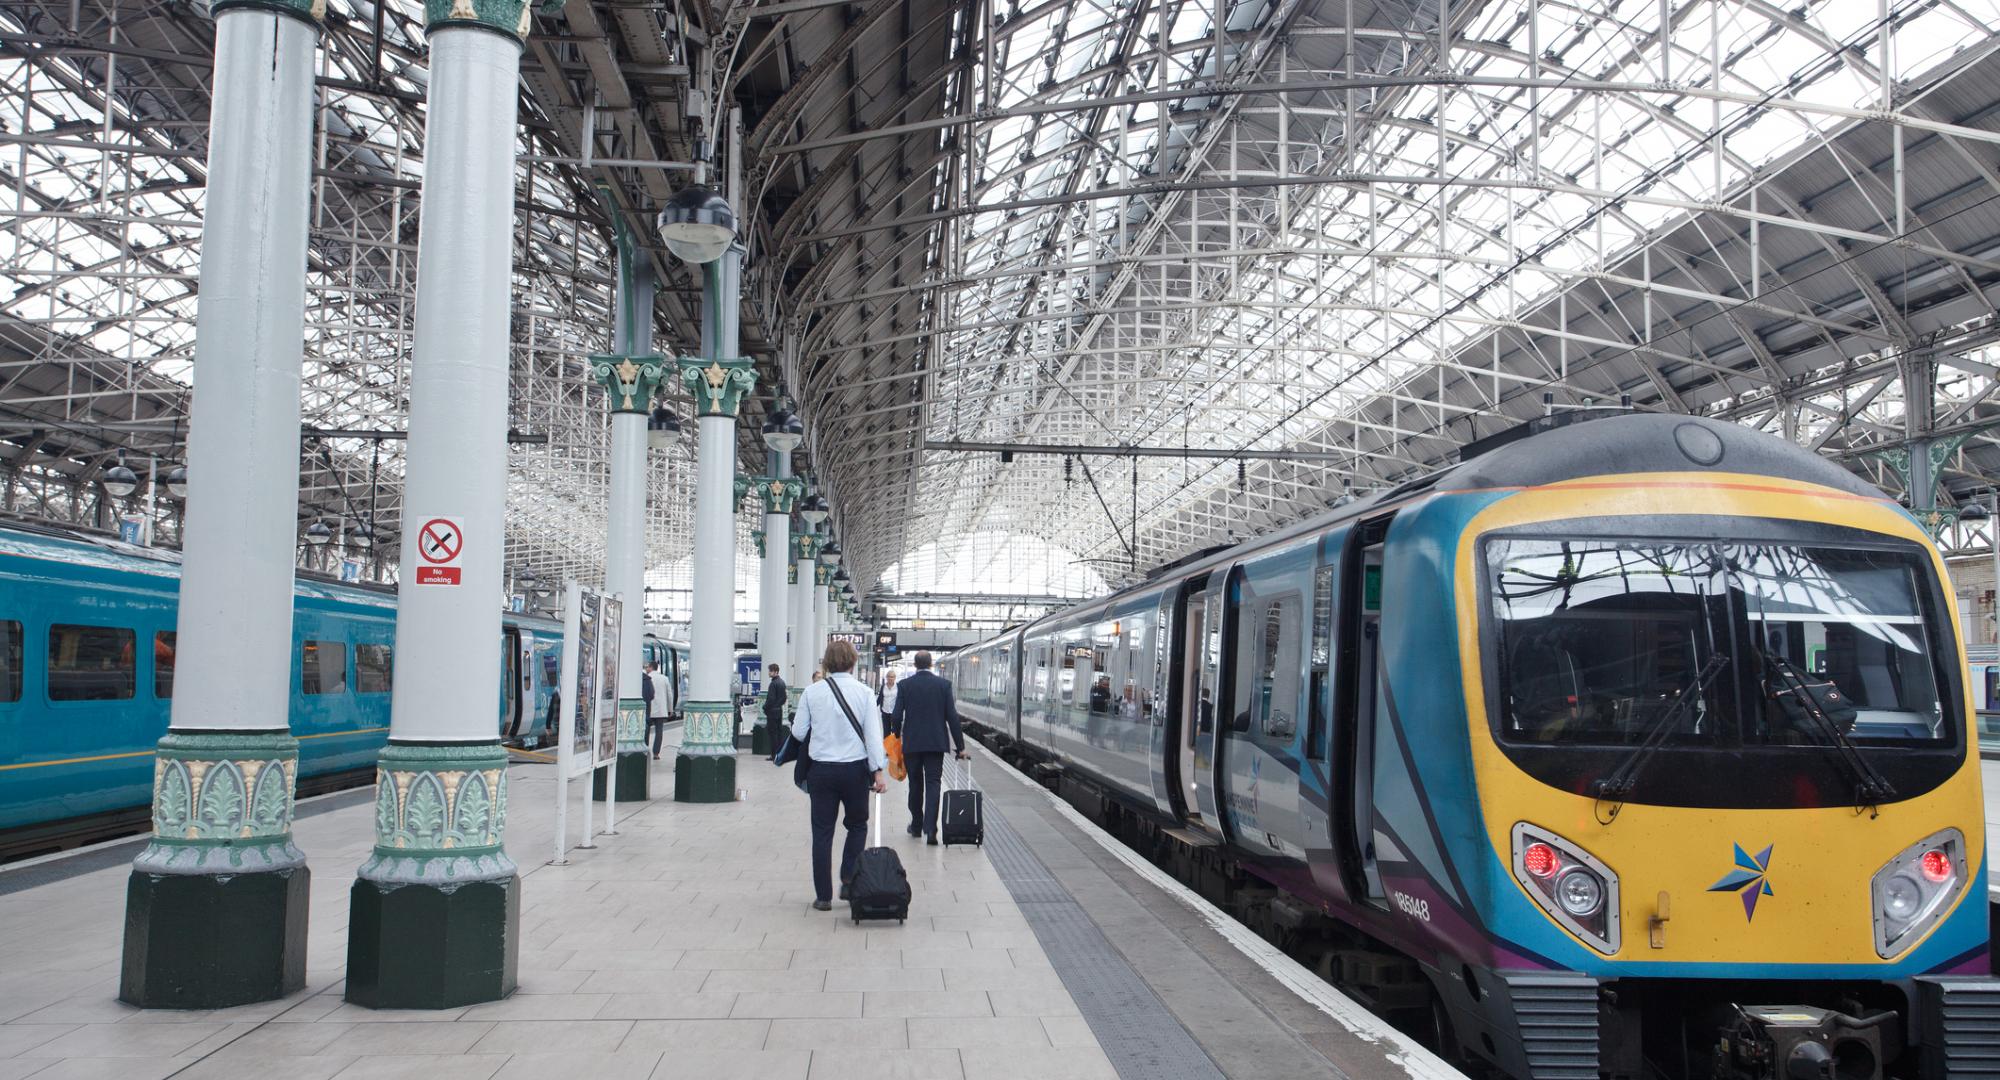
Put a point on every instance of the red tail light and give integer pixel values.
(1540, 860)
(1937, 865)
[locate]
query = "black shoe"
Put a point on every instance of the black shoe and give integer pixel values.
(822, 905)
(931, 840)
(914, 831)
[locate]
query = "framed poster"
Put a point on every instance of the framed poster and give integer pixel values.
(582, 709)
(611, 624)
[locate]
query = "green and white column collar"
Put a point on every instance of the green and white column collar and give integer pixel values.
(718, 386)
(222, 803)
(509, 17)
(630, 380)
(440, 815)
(632, 725)
(779, 493)
(311, 11)
(710, 729)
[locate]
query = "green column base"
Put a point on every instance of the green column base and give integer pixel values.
(635, 777)
(704, 778)
(212, 941)
(421, 946)
(760, 740)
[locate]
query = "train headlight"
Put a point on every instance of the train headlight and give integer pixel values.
(1913, 890)
(1570, 884)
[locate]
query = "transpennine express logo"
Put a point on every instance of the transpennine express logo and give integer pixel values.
(1750, 879)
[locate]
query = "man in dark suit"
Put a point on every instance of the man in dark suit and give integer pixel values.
(774, 708)
(926, 717)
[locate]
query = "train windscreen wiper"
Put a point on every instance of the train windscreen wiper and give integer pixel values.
(1617, 786)
(1798, 697)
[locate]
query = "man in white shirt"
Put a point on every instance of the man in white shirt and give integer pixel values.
(659, 706)
(847, 762)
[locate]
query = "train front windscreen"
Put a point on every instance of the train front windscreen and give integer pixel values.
(1772, 653)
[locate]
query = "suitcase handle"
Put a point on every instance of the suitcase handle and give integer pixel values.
(874, 819)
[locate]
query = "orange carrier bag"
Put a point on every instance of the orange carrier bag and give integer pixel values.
(892, 746)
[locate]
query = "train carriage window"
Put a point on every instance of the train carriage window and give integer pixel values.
(323, 668)
(91, 663)
(164, 643)
(1322, 663)
(1278, 670)
(373, 665)
(10, 660)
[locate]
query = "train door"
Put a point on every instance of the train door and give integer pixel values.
(1202, 690)
(511, 672)
(1362, 610)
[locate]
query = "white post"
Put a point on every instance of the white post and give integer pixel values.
(566, 709)
(205, 877)
(439, 870)
(705, 767)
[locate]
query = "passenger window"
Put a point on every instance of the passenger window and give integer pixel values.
(163, 664)
(10, 660)
(1992, 685)
(1322, 663)
(372, 664)
(1278, 665)
(324, 668)
(91, 663)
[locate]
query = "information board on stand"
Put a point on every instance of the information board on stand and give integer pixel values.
(590, 629)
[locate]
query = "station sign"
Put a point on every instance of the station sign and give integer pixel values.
(440, 552)
(885, 642)
(859, 641)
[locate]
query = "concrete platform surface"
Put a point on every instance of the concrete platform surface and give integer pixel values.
(685, 946)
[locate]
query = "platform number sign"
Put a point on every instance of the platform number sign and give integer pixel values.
(440, 552)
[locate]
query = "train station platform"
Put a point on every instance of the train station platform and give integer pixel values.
(685, 946)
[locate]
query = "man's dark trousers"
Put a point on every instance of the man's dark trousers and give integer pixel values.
(926, 778)
(837, 786)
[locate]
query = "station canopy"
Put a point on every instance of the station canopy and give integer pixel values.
(1061, 290)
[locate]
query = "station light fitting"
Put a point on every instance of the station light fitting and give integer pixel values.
(119, 480)
(813, 509)
(698, 225)
(783, 431)
(363, 535)
(1972, 511)
(663, 429)
(830, 555)
(318, 535)
(177, 482)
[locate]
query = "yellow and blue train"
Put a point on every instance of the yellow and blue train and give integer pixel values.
(87, 645)
(1641, 744)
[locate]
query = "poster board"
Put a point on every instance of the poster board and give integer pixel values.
(611, 625)
(580, 743)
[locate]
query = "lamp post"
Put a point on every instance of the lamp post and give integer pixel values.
(699, 227)
(215, 910)
(631, 374)
(435, 910)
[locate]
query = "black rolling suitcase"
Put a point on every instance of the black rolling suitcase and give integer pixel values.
(880, 889)
(962, 814)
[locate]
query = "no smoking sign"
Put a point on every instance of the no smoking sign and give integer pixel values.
(440, 549)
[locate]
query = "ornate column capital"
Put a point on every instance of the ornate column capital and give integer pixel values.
(630, 380)
(822, 573)
(779, 493)
(757, 538)
(740, 487)
(509, 17)
(806, 546)
(311, 11)
(718, 386)
(792, 573)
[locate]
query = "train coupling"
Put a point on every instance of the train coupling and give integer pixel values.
(1798, 1042)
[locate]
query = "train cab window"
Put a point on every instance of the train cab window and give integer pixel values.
(164, 643)
(91, 663)
(10, 660)
(323, 667)
(372, 667)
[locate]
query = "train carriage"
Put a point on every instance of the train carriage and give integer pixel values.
(1645, 739)
(87, 649)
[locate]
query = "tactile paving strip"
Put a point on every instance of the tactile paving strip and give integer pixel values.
(1132, 1024)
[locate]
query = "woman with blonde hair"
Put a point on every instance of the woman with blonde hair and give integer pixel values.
(839, 717)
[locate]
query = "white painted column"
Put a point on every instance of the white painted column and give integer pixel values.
(439, 868)
(227, 767)
(803, 659)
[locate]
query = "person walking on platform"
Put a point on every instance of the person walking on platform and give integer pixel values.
(774, 706)
(887, 698)
(926, 718)
(838, 715)
(660, 704)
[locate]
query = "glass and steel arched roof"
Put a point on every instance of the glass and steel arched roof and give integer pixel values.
(1239, 257)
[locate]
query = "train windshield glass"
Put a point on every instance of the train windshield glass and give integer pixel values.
(1597, 639)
